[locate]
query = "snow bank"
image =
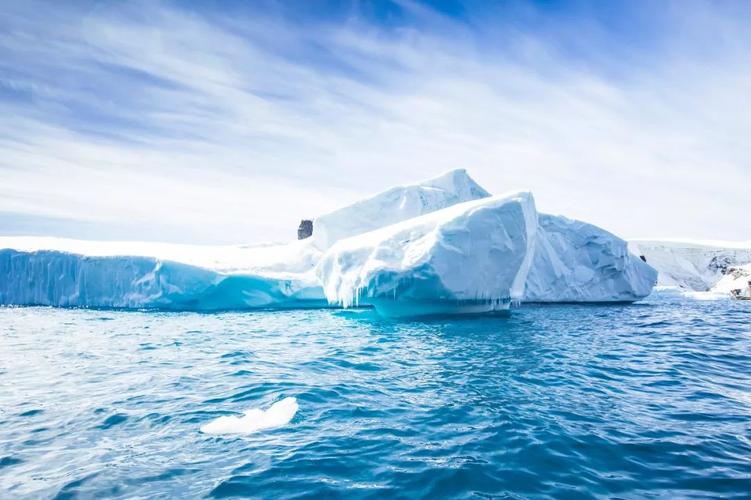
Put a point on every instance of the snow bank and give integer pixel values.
(395, 205)
(579, 262)
(694, 265)
(471, 257)
(278, 415)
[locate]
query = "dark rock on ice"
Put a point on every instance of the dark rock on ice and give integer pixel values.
(305, 230)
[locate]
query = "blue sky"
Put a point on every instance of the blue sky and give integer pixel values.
(223, 122)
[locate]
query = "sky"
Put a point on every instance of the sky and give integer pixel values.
(227, 122)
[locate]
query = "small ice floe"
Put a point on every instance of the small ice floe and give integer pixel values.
(278, 414)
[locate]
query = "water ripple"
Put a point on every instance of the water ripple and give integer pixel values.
(577, 401)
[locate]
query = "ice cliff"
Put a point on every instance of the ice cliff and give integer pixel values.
(443, 245)
(61, 272)
(471, 257)
(579, 262)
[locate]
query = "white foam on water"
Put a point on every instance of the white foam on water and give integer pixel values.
(278, 415)
(710, 295)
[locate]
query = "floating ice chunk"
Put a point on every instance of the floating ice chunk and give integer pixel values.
(579, 262)
(278, 415)
(469, 258)
(395, 205)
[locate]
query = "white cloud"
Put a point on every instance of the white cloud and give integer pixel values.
(232, 128)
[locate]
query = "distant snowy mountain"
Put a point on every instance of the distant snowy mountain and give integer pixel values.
(701, 266)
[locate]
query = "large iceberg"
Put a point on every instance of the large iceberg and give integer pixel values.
(469, 258)
(65, 272)
(432, 244)
(579, 262)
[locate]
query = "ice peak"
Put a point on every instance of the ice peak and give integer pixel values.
(395, 205)
(459, 182)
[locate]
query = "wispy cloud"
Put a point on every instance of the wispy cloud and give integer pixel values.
(231, 126)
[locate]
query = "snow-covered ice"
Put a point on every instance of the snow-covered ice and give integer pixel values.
(471, 257)
(439, 242)
(66, 272)
(295, 257)
(277, 415)
(395, 205)
(698, 266)
(579, 262)
(735, 278)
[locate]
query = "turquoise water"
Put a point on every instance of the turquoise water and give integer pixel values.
(564, 401)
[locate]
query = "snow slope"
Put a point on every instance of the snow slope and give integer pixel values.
(579, 262)
(395, 205)
(693, 265)
(471, 257)
(735, 278)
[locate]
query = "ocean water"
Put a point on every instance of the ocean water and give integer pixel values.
(650, 399)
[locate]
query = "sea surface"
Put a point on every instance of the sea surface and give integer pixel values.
(567, 401)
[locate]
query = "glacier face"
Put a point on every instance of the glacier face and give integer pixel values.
(471, 257)
(101, 274)
(395, 205)
(579, 262)
(713, 266)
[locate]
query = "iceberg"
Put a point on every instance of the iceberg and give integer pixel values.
(579, 262)
(444, 245)
(395, 205)
(472, 257)
(74, 273)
